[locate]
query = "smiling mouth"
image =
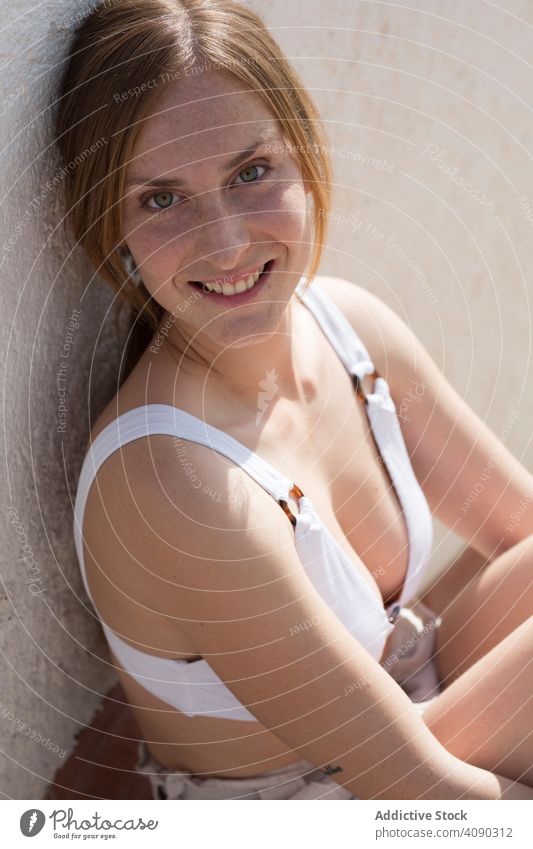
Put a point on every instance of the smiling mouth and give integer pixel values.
(230, 290)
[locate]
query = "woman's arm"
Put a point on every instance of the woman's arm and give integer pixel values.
(513, 789)
(237, 589)
(486, 785)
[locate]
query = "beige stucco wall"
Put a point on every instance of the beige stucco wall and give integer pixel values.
(405, 94)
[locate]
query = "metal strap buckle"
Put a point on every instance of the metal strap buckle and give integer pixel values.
(395, 613)
(298, 494)
(359, 389)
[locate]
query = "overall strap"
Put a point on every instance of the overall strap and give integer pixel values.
(385, 426)
(171, 421)
(341, 335)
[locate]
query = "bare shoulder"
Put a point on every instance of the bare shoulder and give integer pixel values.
(159, 508)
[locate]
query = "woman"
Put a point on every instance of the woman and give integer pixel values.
(267, 652)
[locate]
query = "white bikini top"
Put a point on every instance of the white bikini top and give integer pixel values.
(192, 686)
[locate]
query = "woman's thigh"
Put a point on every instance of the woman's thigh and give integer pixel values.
(485, 716)
(491, 605)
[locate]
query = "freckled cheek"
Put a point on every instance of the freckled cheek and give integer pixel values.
(163, 248)
(285, 213)
(157, 249)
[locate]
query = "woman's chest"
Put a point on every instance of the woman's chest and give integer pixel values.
(327, 447)
(324, 443)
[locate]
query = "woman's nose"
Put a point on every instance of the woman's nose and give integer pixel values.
(224, 237)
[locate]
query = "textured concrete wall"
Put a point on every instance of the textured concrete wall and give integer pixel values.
(429, 114)
(50, 675)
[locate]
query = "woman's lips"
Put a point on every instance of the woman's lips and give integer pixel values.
(243, 296)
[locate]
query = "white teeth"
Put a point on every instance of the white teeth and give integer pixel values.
(230, 289)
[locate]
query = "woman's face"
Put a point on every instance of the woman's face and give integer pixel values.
(191, 214)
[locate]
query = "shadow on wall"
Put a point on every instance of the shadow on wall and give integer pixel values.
(102, 764)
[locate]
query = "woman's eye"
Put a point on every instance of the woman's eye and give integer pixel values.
(167, 200)
(252, 170)
(162, 200)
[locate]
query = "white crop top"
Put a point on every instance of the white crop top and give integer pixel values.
(193, 687)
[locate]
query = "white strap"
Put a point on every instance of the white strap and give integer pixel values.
(338, 330)
(386, 429)
(171, 421)
(385, 426)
